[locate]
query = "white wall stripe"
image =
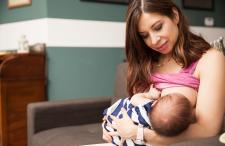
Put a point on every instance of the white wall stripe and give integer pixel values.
(64, 33)
(209, 33)
(77, 33)
(82, 33)
(35, 31)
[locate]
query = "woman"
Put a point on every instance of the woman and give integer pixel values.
(158, 41)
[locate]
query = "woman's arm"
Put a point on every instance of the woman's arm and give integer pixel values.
(210, 102)
(211, 94)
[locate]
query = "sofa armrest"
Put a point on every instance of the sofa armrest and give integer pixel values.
(51, 114)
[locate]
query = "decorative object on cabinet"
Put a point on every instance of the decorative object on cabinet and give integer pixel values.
(18, 3)
(37, 48)
(23, 45)
(22, 81)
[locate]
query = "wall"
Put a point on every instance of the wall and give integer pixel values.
(88, 70)
(85, 41)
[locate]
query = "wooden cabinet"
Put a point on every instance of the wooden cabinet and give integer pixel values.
(22, 81)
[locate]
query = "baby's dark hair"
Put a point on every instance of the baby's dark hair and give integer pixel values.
(171, 114)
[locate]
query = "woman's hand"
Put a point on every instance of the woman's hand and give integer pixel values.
(125, 126)
(126, 129)
(106, 136)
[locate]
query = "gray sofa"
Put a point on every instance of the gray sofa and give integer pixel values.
(78, 121)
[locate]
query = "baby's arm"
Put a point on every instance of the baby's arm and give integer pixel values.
(139, 99)
(142, 98)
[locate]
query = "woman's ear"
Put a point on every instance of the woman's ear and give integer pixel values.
(175, 16)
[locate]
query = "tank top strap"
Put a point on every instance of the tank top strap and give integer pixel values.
(191, 68)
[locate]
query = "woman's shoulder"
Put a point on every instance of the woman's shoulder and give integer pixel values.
(212, 53)
(211, 59)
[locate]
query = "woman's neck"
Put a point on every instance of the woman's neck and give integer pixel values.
(164, 60)
(164, 57)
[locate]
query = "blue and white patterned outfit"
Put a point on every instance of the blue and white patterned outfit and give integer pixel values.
(138, 114)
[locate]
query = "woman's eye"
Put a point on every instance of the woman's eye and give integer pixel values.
(144, 36)
(158, 27)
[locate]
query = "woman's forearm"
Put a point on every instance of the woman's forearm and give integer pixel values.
(153, 138)
(194, 131)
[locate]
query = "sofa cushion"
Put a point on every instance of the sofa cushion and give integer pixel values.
(69, 136)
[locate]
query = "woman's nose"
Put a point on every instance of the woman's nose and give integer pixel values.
(154, 39)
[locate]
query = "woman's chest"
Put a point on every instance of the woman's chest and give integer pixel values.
(188, 92)
(175, 69)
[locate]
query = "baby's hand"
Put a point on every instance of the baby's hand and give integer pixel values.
(153, 93)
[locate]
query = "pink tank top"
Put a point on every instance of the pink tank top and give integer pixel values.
(183, 78)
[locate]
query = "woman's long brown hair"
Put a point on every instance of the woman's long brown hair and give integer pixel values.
(140, 56)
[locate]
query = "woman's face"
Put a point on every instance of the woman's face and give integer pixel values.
(159, 32)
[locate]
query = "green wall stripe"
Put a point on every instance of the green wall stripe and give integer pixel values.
(82, 72)
(38, 9)
(76, 9)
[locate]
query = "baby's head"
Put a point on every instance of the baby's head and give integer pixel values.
(171, 114)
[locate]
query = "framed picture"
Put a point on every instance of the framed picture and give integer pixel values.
(110, 1)
(198, 4)
(18, 3)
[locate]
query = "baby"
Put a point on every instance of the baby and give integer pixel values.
(168, 115)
